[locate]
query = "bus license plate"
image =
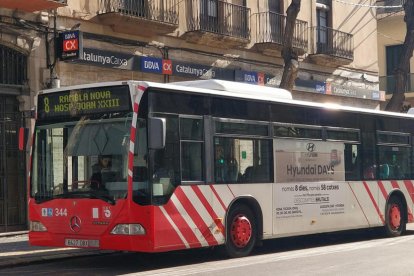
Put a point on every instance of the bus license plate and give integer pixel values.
(81, 243)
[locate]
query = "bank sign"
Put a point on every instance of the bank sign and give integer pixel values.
(156, 65)
(109, 59)
(70, 45)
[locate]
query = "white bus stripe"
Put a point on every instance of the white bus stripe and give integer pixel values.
(175, 227)
(214, 201)
(189, 220)
(365, 201)
(131, 146)
(204, 214)
(225, 194)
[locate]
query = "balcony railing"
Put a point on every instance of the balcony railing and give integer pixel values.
(333, 43)
(155, 10)
(218, 17)
(387, 84)
(392, 4)
(270, 28)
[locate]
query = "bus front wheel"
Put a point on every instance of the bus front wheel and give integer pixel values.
(241, 231)
(394, 218)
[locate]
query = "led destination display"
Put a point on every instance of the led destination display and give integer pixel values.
(81, 102)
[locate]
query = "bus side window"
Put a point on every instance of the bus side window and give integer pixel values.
(394, 162)
(226, 166)
(243, 160)
(369, 169)
(352, 162)
(192, 148)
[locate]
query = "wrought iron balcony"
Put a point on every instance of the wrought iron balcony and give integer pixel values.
(389, 7)
(332, 46)
(217, 20)
(387, 84)
(153, 16)
(32, 5)
(270, 32)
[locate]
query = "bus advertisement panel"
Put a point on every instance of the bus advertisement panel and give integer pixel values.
(310, 177)
(308, 161)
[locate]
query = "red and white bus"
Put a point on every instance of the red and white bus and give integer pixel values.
(150, 167)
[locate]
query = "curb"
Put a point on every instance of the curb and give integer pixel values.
(21, 255)
(11, 234)
(35, 258)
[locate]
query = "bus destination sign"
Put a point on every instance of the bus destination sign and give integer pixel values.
(75, 103)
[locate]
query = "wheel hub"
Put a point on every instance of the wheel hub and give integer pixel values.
(241, 231)
(395, 216)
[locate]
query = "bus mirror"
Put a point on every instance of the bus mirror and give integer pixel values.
(157, 133)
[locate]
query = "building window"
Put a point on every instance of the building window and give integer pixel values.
(275, 6)
(393, 54)
(13, 66)
(322, 23)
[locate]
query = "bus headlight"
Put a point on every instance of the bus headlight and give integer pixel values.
(37, 226)
(128, 229)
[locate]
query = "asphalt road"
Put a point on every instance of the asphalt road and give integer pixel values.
(346, 253)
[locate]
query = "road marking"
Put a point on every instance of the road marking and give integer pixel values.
(270, 258)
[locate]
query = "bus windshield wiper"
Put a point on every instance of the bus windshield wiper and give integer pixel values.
(86, 194)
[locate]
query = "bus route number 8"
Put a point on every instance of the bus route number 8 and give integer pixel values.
(46, 103)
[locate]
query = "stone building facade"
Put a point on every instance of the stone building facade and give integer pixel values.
(168, 41)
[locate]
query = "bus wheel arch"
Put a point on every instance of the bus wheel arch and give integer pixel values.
(396, 214)
(244, 216)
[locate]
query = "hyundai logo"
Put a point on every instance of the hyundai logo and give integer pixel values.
(75, 224)
(310, 147)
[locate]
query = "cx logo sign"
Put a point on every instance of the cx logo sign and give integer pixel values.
(167, 67)
(70, 45)
(260, 78)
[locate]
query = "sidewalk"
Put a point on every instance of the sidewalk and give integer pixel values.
(15, 250)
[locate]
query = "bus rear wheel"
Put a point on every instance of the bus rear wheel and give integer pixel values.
(241, 231)
(394, 218)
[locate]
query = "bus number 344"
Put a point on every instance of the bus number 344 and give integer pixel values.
(61, 212)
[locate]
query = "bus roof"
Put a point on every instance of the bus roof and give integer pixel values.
(236, 90)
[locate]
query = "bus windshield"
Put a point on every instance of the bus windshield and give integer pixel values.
(84, 159)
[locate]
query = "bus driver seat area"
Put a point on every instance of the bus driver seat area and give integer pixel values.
(103, 172)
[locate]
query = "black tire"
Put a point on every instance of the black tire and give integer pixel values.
(395, 223)
(240, 240)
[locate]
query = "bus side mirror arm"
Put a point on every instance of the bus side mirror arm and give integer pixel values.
(157, 133)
